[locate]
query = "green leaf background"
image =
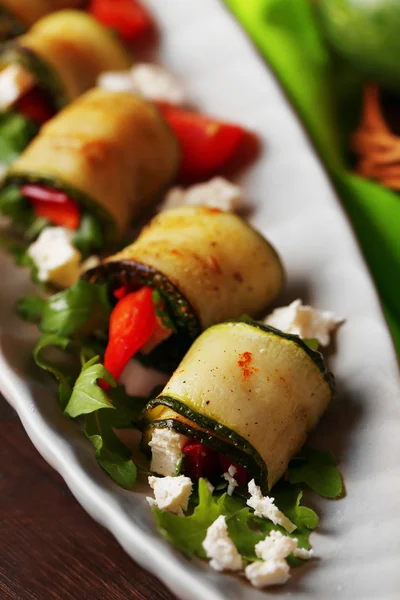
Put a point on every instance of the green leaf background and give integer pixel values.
(288, 35)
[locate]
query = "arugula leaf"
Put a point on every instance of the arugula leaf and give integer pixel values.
(14, 205)
(16, 131)
(80, 309)
(312, 343)
(63, 377)
(128, 408)
(187, 533)
(36, 227)
(30, 308)
(318, 470)
(87, 396)
(112, 455)
(89, 236)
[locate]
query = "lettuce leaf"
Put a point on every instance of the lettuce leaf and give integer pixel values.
(89, 237)
(77, 311)
(60, 372)
(317, 469)
(16, 131)
(111, 454)
(87, 396)
(30, 308)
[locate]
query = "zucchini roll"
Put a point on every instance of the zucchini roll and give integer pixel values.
(206, 265)
(18, 16)
(101, 162)
(56, 61)
(246, 391)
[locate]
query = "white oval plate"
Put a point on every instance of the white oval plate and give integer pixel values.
(357, 544)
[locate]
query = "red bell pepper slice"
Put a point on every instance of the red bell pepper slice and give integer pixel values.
(132, 323)
(35, 105)
(207, 145)
(120, 292)
(241, 475)
(53, 205)
(199, 460)
(128, 17)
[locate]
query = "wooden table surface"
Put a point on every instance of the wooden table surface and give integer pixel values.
(49, 547)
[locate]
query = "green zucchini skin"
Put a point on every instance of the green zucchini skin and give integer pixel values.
(47, 79)
(251, 452)
(107, 222)
(165, 356)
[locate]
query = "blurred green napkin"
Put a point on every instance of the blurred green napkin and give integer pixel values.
(287, 34)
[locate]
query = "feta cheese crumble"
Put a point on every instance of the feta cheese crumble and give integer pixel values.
(273, 569)
(166, 449)
(262, 574)
(56, 258)
(220, 549)
(230, 478)
(147, 80)
(276, 546)
(264, 506)
(171, 493)
(305, 321)
(15, 81)
(216, 193)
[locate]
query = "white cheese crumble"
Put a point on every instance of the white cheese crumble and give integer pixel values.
(275, 546)
(305, 321)
(56, 258)
(220, 549)
(262, 574)
(264, 506)
(15, 81)
(147, 80)
(303, 553)
(216, 193)
(273, 551)
(171, 493)
(166, 449)
(230, 478)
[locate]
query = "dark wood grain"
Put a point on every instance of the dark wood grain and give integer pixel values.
(49, 547)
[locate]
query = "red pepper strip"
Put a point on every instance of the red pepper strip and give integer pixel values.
(241, 476)
(35, 105)
(199, 460)
(128, 17)
(207, 145)
(53, 205)
(132, 323)
(120, 292)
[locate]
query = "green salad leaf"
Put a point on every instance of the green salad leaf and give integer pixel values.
(187, 533)
(87, 395)
(14, 205)
(128, 408)
(30, 308)
(81, 309)
(317, 469)
(89, 237)
(16, 131)
(112, 455)
(60, 372)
